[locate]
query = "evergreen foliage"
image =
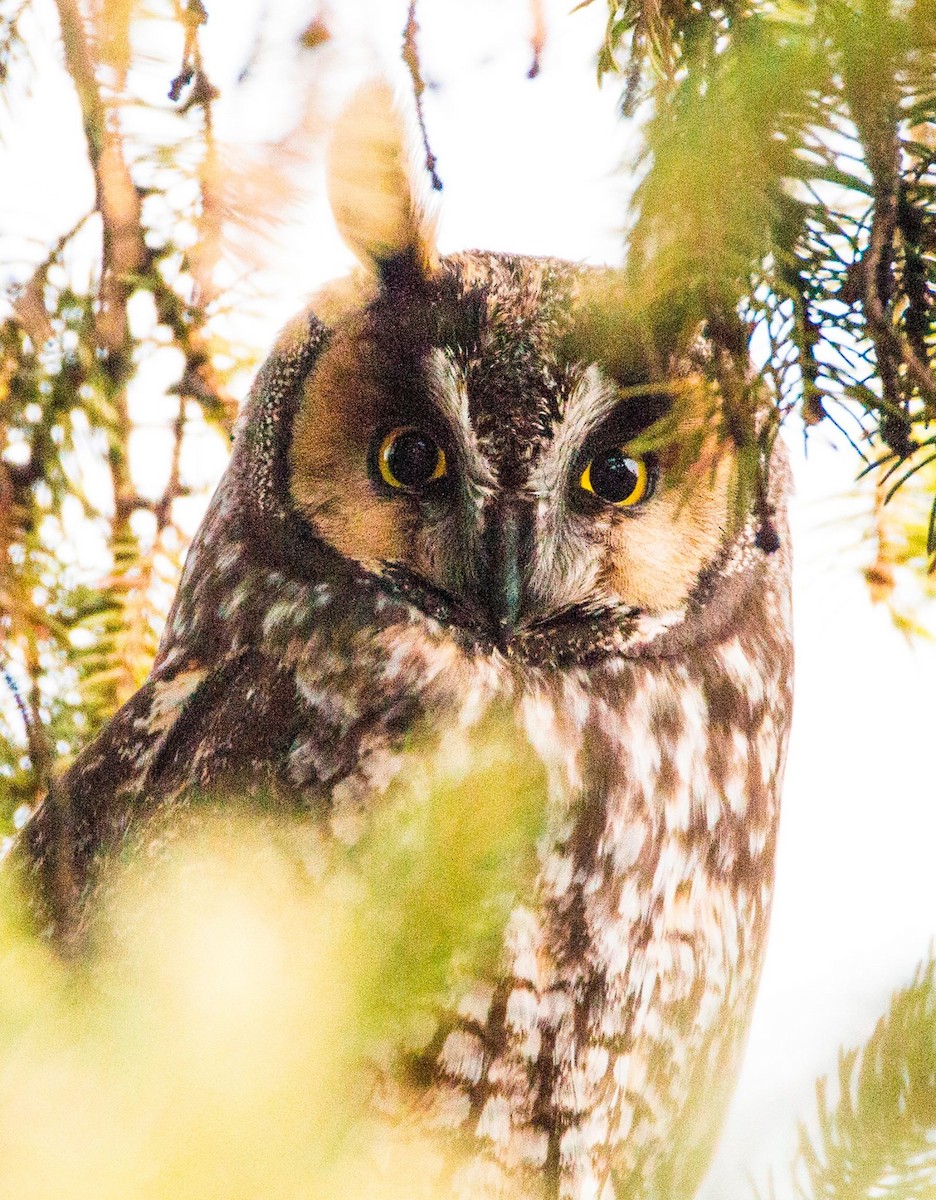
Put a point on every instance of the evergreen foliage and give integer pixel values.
(790, 178)
(133, 278)
(877, 1139)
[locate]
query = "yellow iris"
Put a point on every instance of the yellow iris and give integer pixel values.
(408, 458)
(624, 485)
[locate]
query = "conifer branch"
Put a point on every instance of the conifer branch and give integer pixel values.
(876, 1140)
(413, 65)
(40, 752)
(67, 353)
(801, 140)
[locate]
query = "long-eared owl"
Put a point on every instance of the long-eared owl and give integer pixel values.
(439, 500)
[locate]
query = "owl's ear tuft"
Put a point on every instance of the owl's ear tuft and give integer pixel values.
(373, 189)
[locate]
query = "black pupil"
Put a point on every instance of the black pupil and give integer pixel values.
(613, 476)
(413, 458)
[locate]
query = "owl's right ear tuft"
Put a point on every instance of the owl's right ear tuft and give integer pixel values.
(373, 189)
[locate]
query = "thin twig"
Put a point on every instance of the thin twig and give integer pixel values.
(58, 864)
(411, 58)
(192, 18)
(39, 750)
(173, 489)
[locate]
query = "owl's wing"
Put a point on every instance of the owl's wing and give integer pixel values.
(220, 705)
(189, 733)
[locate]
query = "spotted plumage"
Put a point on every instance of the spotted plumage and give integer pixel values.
(644, 645)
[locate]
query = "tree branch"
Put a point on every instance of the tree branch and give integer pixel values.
(411, 59)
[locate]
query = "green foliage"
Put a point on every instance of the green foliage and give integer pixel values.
(251, 980)
(901, 532)
(790, 177)
(450, 851)
(244, 987)
(82, 552)
(877, 1139)
(666, 35)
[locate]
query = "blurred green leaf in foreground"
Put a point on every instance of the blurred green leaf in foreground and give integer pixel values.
(225, 1032)
(248, 993)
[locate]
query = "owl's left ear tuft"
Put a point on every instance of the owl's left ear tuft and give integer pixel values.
(373, 189)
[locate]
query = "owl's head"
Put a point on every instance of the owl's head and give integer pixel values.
(482, 432)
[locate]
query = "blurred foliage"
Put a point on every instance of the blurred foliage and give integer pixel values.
(900, 532)
(249, 989)
(790, 179)
(253, 984)
(876, 1140)
(130, 280)
(88, 558)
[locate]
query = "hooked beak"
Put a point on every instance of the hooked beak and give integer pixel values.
(506, 545)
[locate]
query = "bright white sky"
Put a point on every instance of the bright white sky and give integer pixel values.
(536, 166)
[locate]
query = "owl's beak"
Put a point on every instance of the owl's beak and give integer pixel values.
(507, 538)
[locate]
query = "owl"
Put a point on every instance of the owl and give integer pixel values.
(445, 494)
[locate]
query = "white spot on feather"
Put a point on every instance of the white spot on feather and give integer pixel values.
(531, 1045)
(529, 1146)
(741, 671)
(521, 940)
(450, 1108)
(557, 874)
(522, 1010)
(475, 1005)
(462, 1056)
(768, 748)
(735, 783)
(627, 838)
(494, 1122)
(168, 698)
(596, 1063)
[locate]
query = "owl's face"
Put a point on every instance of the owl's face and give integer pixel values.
(470, 435)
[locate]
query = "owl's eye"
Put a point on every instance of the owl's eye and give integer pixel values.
(409, 459)
(619, 480)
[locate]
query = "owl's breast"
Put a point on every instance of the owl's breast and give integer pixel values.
(594, 1059)
(409, 689)
(612, 1035)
